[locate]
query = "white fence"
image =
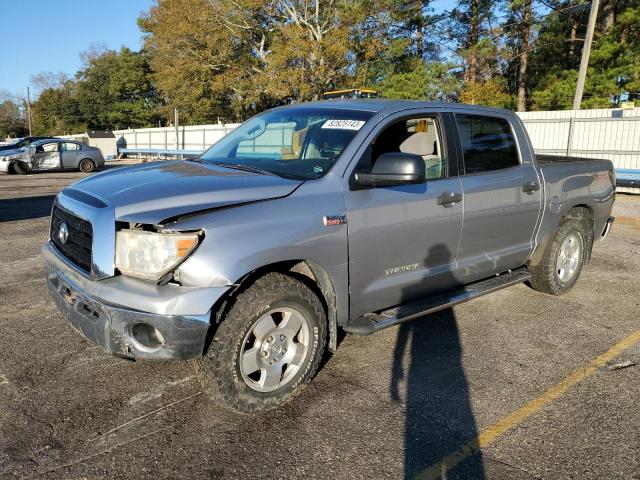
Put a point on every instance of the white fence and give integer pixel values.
(195, 137)
(613, 134)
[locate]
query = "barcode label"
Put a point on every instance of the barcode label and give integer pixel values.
(344, 124)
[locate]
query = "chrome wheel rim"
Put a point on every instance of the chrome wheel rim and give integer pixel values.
(274, 349)
(85, 166)
(568, 258)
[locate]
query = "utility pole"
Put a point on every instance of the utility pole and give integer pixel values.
(175, 122)
(586, 50)
(29, 119)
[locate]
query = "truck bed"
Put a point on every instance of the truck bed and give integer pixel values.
(550, 159)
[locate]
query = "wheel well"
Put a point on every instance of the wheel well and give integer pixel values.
(584, 215)
(310, 273)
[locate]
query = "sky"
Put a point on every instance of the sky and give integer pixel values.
(48, 35)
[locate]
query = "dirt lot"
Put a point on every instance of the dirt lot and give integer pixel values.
(529, 377)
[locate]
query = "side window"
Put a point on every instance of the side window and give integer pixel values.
(487, 143)
(47, 147)
(70, 147)
(420, 136)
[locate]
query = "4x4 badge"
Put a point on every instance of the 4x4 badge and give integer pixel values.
(333, 220)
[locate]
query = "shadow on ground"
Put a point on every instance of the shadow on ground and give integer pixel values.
(439, 416)
(12, 209)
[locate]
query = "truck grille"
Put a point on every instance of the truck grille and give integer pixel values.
(77, 247)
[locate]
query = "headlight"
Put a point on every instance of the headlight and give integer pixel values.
(150, 255)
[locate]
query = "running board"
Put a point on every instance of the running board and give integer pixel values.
(373, 322)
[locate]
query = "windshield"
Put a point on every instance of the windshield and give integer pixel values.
(300, 143)
(18, 142)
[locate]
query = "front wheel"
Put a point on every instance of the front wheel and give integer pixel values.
(562, 263)
(267, 347)
(21, 168)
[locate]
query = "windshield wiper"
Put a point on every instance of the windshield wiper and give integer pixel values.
(246, 168)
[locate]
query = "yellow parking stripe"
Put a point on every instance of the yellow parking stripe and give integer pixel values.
(493, 432)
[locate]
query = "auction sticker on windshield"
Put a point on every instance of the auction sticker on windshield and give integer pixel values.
(344, 124)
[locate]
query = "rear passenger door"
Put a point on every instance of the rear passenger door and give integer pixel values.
(502, 197)
(70, 152)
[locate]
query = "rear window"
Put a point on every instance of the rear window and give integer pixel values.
(487, 143)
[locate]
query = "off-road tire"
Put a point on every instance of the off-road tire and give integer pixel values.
(86, 165)
(544, 276)
(21, 168)
(219, 370)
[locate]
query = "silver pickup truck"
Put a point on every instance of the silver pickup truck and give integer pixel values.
(307, 219)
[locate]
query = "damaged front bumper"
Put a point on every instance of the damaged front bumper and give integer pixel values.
(125, 331)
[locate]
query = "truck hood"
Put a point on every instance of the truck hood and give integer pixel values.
(153, 192)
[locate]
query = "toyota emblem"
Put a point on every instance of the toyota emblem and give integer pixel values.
(63, 233)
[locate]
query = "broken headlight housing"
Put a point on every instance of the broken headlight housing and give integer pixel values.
(151, 255)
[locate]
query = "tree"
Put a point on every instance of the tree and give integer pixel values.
(202, 55)
(44, 80)
(471, 32)
(433, 81)
(57, 112)
(309, 49)
(115, 90)
(11, 121)
(615, 53)
(520, 36)
(491, 93)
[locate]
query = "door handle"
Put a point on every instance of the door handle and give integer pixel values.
(449, 198)
(531, 187)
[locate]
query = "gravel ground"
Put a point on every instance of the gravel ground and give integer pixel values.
(385, 406)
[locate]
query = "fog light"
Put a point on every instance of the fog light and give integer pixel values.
(147, 336)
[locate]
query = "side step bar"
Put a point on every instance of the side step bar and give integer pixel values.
(373, 322)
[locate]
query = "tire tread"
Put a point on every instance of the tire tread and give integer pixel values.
(215, 368)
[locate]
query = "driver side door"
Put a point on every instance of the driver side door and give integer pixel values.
(403, 240)
(46, 156)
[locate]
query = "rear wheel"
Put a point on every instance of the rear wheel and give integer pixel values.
(268, 346)
(87, 166)
(562, 263)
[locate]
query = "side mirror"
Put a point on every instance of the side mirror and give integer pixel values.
(394, 168)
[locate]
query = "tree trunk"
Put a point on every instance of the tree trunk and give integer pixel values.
(474, 21)
(574, 31)
(422, 4)
(608, 15)
(524, 55)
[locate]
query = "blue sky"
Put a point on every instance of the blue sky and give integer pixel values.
(48, 35)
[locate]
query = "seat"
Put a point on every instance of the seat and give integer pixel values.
(424, 144)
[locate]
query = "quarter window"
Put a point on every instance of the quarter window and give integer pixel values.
(487, 143)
